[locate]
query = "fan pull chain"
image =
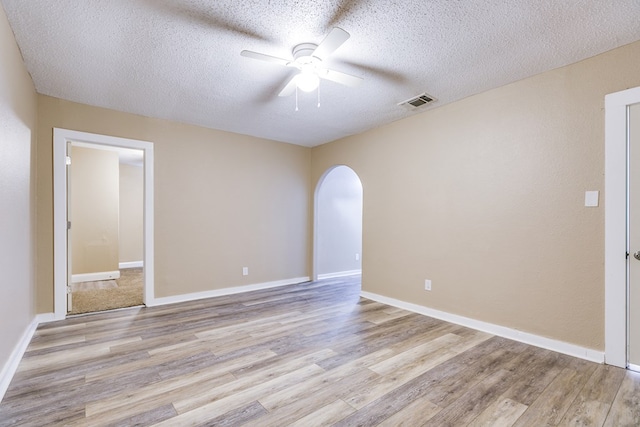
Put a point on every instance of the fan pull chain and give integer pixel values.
(296, 98)
(318, 95)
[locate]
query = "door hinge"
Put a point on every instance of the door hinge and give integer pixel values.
(627, 256)
(68, 225)
(68, 160)
(68, 289)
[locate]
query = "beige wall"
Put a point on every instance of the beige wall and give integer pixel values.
(94, 207)
(18, 115)
(222, 201)
(485, 197)
(131, 234)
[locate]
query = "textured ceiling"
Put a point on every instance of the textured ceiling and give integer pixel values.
(180, 59)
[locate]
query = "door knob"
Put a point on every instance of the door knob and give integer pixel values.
(636, 255)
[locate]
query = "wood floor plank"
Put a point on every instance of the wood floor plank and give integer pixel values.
(335, 379)
(325, 416)
(216, 375)
(282, 375)
(146, 399)
(244, 415)
(591, 406)
(414, 355)
(387, 383)
(36, 345)
(552, 404)
(312, 354)
(136, 365)
(31, 383)
(449, 390)
(503, 412)
(286, 412)
(383, 316)
(71, 357)
(396, 400)
(625, 410)
(56, 329)
(416, 413)
(473, 402)
(202, 413)
(539, 369)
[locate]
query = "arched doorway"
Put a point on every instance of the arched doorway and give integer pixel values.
(338, 224)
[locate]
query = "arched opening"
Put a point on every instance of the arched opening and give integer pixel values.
(338, 224)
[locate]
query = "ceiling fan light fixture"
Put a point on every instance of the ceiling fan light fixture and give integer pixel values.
(308, 60)
(307, 80)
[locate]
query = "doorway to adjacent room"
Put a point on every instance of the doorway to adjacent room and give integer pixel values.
(338, 224)
(105, 189)
(622, 229)
(96, 246)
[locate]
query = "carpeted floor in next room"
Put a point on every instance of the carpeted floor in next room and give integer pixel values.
(88, 297)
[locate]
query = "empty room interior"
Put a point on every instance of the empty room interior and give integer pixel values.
(344, 213)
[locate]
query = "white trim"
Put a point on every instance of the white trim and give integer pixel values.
(615, 224)
(130, 264)
(60, 139)
(92, 277)
(225, 291)
(339, 274)
(10, 367)
(634, 368)
(502, 331)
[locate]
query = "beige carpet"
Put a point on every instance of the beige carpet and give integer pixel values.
(92, 286)
(103, 295)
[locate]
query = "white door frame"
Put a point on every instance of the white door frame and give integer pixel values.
(615, 220)
(60, 139)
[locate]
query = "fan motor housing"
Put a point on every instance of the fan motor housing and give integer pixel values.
(304, 50)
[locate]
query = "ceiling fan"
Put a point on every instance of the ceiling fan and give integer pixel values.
(307, 59)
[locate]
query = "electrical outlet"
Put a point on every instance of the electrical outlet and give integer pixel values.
(357, 257)
(245, 271)
(427, 285)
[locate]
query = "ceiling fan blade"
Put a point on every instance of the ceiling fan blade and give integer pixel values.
(263, 57)
(333, 41)
(203, 15)
(290, 87)
(340, 77)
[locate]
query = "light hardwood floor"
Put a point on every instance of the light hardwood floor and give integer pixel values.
(312, 354)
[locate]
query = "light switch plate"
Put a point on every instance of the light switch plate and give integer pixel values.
(591, 198)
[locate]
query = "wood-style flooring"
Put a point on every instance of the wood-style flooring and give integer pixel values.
(314, 354)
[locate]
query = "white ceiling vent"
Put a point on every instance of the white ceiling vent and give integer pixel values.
(418, 101)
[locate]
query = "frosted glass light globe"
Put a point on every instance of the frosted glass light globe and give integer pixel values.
(307, 80)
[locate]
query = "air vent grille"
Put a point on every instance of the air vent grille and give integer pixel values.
(418, 101)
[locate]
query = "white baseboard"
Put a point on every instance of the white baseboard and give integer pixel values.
(339, 274)
(502, 331)
(10, 367)
(224, 291)
(92, 277)
(130, 264)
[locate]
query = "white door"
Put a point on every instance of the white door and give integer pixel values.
(633, 311)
